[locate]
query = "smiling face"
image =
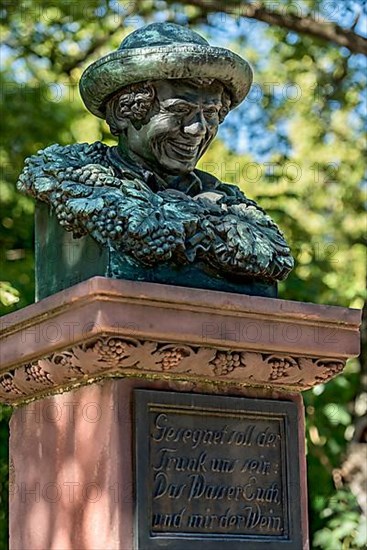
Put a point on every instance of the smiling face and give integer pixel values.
(180, 127)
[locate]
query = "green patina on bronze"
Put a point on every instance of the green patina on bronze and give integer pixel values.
(142, 209)
(158, 52)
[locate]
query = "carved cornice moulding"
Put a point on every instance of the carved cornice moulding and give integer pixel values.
(107, 328)
(117, 357)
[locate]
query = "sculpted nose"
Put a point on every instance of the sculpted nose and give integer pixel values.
(196, 126)
(195, 129)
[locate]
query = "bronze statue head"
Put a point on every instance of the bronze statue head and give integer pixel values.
(163, 51)
(167, 125)
(163, 93)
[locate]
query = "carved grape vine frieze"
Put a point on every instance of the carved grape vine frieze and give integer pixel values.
(113, 356)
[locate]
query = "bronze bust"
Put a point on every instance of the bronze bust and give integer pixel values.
(163, 93)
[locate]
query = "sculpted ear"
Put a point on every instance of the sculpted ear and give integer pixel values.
(116, 115)
(130, 105)
(120, 119)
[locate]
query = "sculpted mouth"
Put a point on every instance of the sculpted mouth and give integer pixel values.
(189, 148)
(185, 148)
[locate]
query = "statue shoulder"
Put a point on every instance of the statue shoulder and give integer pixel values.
(232, 191)
(76, 154)
(55, 159)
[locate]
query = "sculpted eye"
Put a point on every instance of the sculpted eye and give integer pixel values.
(210, 113)
(179, 109)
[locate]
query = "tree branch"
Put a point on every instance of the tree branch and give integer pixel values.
(322, 29)
(71, 64)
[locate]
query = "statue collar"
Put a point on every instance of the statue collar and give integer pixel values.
(191, 184)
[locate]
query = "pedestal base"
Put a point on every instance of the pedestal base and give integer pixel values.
(72, 471)
(71, 363)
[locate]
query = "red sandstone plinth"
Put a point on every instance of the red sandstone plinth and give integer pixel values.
(71, 472)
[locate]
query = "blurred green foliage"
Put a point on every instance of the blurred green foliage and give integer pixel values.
(295, 145)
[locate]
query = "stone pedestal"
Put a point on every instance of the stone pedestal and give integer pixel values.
(71, 364)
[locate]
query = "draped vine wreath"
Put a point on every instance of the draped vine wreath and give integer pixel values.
(228, 232)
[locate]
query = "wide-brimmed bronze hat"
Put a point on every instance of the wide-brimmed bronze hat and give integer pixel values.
(163, 51)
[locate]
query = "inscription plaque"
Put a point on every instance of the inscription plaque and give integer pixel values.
(215, 472)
